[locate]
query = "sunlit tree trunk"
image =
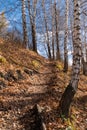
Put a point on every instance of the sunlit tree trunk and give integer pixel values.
(84, 58)
(86, 52)
(57, 35)
(66, 38)
(85, 43)
(53, 49)
(32, 15)
(47, 34)
(25, 37)
(71, 89)
(53, 21)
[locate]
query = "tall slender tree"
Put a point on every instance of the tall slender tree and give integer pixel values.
(53, 31)
(66, 37)
(57, 34)
(25, 37)
(32, 15)
(71, 89)
(47, 33)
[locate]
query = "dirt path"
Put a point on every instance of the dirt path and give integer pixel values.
(44, 88)
(22, 95)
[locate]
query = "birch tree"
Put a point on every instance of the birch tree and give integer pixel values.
(66, 37)
(32, 15)
(25, 37)
(53, 31)
(71, 89)
(47, 33)
(57, 34)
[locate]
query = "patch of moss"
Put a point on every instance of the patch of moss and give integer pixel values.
(36, 64)
(70, 125)
(59, 66)
(2, 59)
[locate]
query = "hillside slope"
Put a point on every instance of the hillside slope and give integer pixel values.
(27, 79)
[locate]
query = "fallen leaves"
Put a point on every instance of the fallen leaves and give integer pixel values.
(44, 88)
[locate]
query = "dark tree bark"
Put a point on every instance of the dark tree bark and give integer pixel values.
(34, 38)
(84, 65)
(66, 101)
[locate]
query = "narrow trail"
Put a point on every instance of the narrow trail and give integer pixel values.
(44, 88)
(21, 96)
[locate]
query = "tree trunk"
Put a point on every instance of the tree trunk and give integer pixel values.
(53, 51)
(66, 38)
(47, 34)
(57, 35)
(33, 26)
(34, 37)
(48, 43)
(25, 37)
(84, 68)
(86, 52)
(66, 101)
(53, 21)
(71, 89)
(85, 42)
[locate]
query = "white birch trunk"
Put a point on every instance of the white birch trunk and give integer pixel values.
(66, 37)
(71, 89)
(25, 37)
(77, 46)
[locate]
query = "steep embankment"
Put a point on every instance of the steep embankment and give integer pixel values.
(27, 79)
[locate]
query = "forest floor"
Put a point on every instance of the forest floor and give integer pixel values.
(27, 79)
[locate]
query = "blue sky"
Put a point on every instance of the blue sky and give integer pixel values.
(12, 9)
